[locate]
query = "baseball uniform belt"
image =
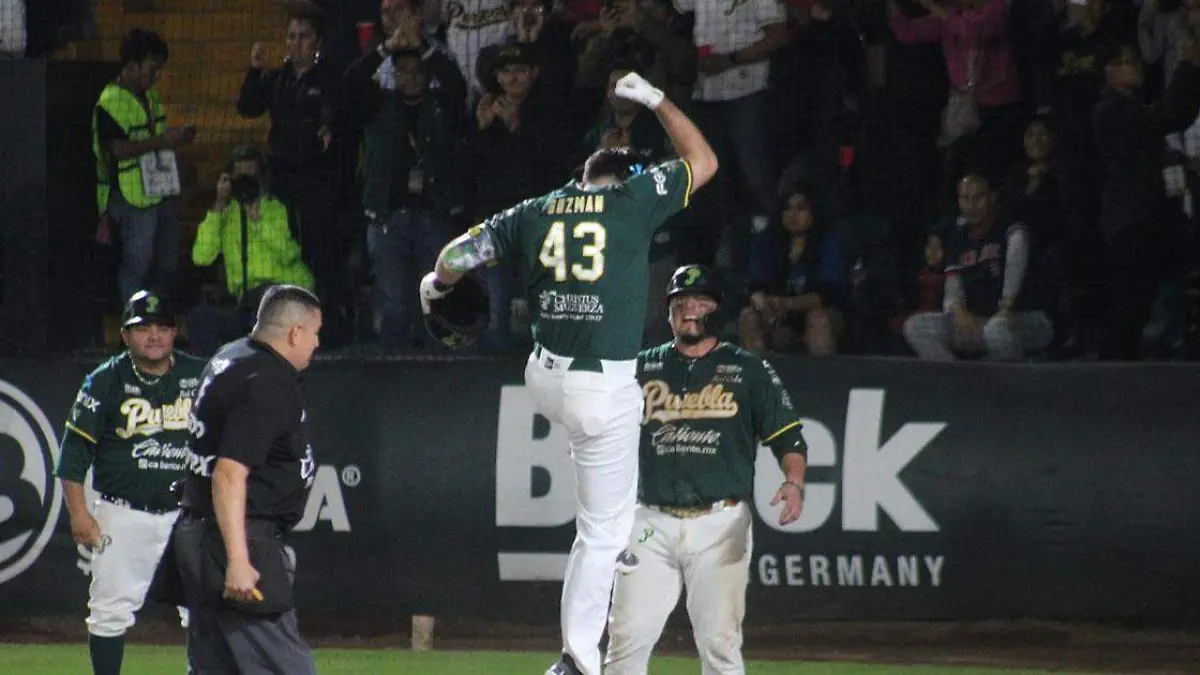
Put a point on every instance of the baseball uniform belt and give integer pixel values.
(551, 361)
(136, 507)
(696, 511)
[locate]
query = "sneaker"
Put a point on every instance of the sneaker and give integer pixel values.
(626, 562)
(565, 665)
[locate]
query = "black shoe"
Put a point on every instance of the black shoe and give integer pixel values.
(565, 665)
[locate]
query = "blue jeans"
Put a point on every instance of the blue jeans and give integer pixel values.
(402, 251)
(149, 246)
(739, 132)
(497, 337)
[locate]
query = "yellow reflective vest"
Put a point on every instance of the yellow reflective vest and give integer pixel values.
(124, 107)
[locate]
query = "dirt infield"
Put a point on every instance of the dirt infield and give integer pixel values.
(1029, 644)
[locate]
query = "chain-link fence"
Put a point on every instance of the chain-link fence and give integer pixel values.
(339, 145)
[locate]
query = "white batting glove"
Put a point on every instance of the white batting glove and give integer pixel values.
(430, 291)
(637, 89)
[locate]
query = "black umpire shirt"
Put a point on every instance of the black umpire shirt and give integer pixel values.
(250, 408)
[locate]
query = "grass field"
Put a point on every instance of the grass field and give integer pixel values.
(150, 660)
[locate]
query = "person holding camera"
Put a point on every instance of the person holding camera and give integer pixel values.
(248, 227)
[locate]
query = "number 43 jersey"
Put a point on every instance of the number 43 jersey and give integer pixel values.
(583, 258)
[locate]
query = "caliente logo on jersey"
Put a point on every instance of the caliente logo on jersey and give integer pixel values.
(30, 497)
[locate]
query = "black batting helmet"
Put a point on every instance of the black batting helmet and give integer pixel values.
(457, 319)
(694, 279)
(146, 307)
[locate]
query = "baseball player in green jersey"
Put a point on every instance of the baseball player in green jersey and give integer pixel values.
(129, 424)
(708, 406)
(583, 256)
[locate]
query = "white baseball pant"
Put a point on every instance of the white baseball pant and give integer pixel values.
(123, 566)
(710, 556)
(602, 414)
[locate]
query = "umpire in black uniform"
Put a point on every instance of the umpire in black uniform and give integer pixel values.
(250, 469)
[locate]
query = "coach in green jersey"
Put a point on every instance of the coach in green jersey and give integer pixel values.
(129, 424)
(583, 256)
(708, 405)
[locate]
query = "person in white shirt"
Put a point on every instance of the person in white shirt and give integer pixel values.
(734, 41)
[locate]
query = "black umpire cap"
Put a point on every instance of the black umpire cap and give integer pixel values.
(146, 307)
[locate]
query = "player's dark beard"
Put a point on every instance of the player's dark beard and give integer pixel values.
(700, 336)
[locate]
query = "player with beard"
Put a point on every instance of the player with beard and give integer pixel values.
(708, 406)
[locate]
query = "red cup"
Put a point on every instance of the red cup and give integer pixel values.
(704, 51)
(366, 35)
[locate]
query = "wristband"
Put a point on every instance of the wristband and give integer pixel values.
(797, 485)
(441, 287)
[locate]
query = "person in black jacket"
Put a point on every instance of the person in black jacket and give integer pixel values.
(309, 169)
(408, 99)
(1139, 220)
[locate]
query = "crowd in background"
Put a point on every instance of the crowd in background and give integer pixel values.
(997, 179)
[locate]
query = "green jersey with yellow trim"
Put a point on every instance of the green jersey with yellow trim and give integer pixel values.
(583, 258)
(131, 430)
(703, 422)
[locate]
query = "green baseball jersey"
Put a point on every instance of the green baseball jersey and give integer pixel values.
(703, 422)
(583, 258)
(132, 432)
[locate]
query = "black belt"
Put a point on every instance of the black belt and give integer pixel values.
(586, 364)
(136, 507)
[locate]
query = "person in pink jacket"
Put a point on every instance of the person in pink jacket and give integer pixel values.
(979, 60)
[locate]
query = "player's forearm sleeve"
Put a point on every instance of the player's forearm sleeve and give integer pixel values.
(470, 250)
(1016, 261)
(787, 440)
(75, 457)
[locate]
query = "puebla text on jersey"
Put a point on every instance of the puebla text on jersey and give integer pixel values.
(250, 409)
(703, 421)
(583, 257)
(132, 434)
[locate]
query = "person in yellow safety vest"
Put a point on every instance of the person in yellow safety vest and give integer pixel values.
(271, 256)
(137, 174)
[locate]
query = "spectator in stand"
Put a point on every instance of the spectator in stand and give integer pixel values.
(731, 104)
(1036, 199)
(412, 156)
(925, 294)
(1140, 218)
(255, 257)
(983, 113)
(136, 168)
(471, 26)
(624, 123)
(642, 34)
(816, 81)
(992, 303)
(302, 98)
(1163, 26)
(519, 148)
(797, 276)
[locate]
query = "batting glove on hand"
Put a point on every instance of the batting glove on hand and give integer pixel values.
(637, 89)
(430, 291)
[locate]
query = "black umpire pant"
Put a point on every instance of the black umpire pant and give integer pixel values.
(223, 640)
